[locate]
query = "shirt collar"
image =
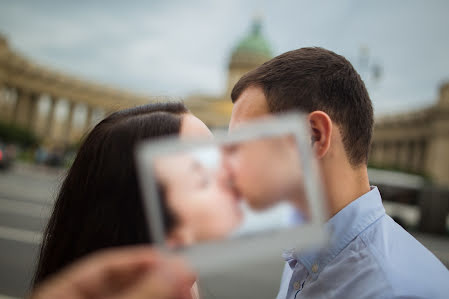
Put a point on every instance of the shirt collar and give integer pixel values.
(344, 226)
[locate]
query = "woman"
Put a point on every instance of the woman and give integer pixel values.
(187, 182)
(99, 203)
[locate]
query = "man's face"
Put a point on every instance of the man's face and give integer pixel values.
(250, 105)
(262, 170)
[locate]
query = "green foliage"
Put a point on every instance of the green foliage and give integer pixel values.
(26, 156)
(14, 134)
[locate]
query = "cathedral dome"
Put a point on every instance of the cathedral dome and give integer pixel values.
(252, 50)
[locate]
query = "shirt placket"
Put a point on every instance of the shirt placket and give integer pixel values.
(297, 281)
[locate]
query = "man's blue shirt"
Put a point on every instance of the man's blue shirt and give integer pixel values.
(369, 256)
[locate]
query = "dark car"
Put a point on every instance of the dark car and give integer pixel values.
(7, 154)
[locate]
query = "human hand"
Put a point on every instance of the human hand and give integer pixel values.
(130, 272)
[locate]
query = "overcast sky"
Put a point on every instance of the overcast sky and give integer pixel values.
(179, 47)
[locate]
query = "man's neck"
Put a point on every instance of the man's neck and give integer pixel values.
(343, 185)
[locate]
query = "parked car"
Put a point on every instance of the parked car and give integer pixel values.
(7, 155)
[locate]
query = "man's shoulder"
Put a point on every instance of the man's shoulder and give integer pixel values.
(391, 245)
(353, 273)
(402, 262)
(384, 261)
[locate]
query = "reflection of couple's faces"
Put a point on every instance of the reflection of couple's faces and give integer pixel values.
(265, 171)
(200, 198)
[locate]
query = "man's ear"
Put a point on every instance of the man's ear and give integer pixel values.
(321, 132)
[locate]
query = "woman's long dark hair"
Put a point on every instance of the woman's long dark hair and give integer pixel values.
(99, 203)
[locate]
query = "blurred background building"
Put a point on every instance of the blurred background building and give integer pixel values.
(250, 52)
(416, 141)
(30, 95)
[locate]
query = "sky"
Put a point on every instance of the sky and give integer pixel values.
(176, 48)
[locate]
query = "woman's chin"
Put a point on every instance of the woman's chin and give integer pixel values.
(226, 233)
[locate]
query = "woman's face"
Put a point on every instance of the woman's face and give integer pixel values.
(200, 197)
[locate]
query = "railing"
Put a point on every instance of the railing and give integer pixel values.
(432, 201)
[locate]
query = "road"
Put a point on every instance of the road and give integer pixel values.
(26, 197)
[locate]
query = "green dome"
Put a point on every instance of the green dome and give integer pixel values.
(254, 43)
(252, 50)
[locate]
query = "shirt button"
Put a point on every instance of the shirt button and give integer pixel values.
(315, 268)
(297, 285)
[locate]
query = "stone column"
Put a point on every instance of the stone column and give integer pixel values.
(3, 104)
(50, 119)
(392, 150)
(381, 154)
(421, 154)
(98, 115)
(372, 150)
(376, 152)
(397, 154)
(89, 115)
(8, 105)
(19, 107)
(436, 159)
(25, 110)
(404, 153)
(438, 148)
(413, 155)
(68, 123)
(33, 112)
(389, 154)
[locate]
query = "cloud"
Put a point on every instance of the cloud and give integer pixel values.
(178, 47)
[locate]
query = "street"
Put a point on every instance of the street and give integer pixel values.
(26, 196)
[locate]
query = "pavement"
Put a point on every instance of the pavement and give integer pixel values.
(26, 198)
(27, 193)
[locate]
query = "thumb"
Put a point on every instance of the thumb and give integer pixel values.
(150, 285)
(155, 285)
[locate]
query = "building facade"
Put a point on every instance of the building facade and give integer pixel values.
(47, 102)
(416, 142)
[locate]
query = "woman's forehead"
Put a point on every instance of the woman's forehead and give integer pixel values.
(192, 126)
(179, 169)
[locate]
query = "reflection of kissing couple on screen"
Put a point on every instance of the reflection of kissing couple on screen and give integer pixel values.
(203, 187)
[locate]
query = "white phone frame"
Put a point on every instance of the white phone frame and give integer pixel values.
(204, 256)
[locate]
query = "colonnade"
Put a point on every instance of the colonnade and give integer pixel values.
(25, 86)
(406, 155)
(23, 108)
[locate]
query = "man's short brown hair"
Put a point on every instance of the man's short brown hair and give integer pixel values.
(311, 79)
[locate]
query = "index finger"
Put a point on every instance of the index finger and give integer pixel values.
(112, 268)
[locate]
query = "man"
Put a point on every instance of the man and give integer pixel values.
(369, 255)
(130, 272)
(261, 188)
